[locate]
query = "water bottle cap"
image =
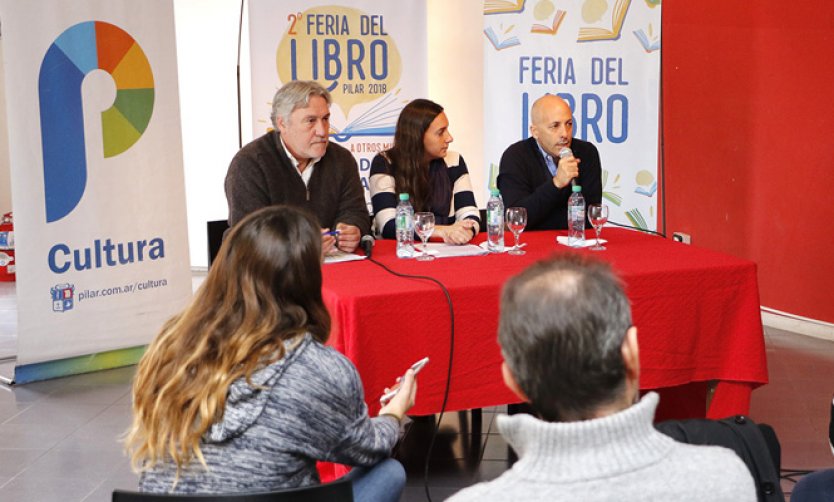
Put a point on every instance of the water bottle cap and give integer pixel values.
(576, 188)
(494, 191)
(403, 196)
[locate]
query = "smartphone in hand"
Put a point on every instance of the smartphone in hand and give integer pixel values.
(393, 392)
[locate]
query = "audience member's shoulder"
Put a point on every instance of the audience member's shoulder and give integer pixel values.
(718, 471)
(327, 363)
(477, 492)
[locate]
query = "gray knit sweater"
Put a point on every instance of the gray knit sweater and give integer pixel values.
(620, 457)
(311, 408)
(262, 175)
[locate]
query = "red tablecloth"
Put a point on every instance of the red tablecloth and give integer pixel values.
(696, 311)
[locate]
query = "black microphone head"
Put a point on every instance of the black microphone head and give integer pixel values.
(367, 244)
(565, 152)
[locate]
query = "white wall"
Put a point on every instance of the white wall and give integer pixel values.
(5, 166)
(456, 74)
(207, 33)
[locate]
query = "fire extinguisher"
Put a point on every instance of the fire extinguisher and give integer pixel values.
(7, 263)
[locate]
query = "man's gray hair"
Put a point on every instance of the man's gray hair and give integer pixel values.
(293, 95)
(562, 325)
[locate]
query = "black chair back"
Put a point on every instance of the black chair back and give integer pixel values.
(215, 230)
(337, 491)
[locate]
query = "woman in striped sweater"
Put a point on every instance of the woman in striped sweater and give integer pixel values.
(421, 165)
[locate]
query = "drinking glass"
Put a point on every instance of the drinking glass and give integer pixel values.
(424, 226)
(516, 221)
(598, 216)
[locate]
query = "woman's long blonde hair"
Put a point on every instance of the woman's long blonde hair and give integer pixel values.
(264, 288)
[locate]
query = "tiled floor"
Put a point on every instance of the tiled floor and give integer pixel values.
(59, 438)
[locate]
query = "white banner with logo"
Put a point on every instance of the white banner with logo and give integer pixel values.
(97, 178)
(603, 57)
(370, 55)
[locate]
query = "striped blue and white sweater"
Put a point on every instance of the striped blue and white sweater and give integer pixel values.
(384, 193)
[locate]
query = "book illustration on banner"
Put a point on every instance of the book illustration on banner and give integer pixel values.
(501, 45)
(379, 120)
(553, 28)
(649, 191)
(649, 41)
(503, 6)
(646, 184)
(592, 10)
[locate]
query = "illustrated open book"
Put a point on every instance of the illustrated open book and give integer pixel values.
(553, 28)
(649, 41)
(618, 13)
(503, 6)
(493, 38)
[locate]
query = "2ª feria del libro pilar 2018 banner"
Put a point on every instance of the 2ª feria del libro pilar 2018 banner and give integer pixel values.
(97, 180)
(370, 55)
(603, 57)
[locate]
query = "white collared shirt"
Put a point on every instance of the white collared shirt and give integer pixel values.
(307, 173)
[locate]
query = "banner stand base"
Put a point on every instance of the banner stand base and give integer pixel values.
(34, 372)
(7, 371)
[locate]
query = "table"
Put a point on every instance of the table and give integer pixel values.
(696, 311)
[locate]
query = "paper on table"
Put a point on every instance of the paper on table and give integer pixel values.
(507, 248)
(341, 256)
(563, 240)
(443, 250)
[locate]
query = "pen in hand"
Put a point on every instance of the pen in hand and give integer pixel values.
(333, 233)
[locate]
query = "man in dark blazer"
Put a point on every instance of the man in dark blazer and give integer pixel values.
(532, 174)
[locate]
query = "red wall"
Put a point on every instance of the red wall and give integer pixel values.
(748, 123)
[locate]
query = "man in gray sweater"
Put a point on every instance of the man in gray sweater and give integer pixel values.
(296, 164)
(571, 351)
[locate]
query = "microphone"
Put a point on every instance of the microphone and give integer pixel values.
(367, 244)
(566, 153)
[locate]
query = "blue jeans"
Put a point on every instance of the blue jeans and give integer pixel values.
(382, 482)
(817, 486)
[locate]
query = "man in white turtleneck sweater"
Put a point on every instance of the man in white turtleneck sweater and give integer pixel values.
(571, 351)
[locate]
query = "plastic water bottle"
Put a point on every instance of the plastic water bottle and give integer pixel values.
(576, 217)
(495, 222)
(405, 227)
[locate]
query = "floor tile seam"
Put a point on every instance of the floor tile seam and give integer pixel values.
(43, 452)
(4, 422)
(94, 490)
(51, 449)
(103, 477)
